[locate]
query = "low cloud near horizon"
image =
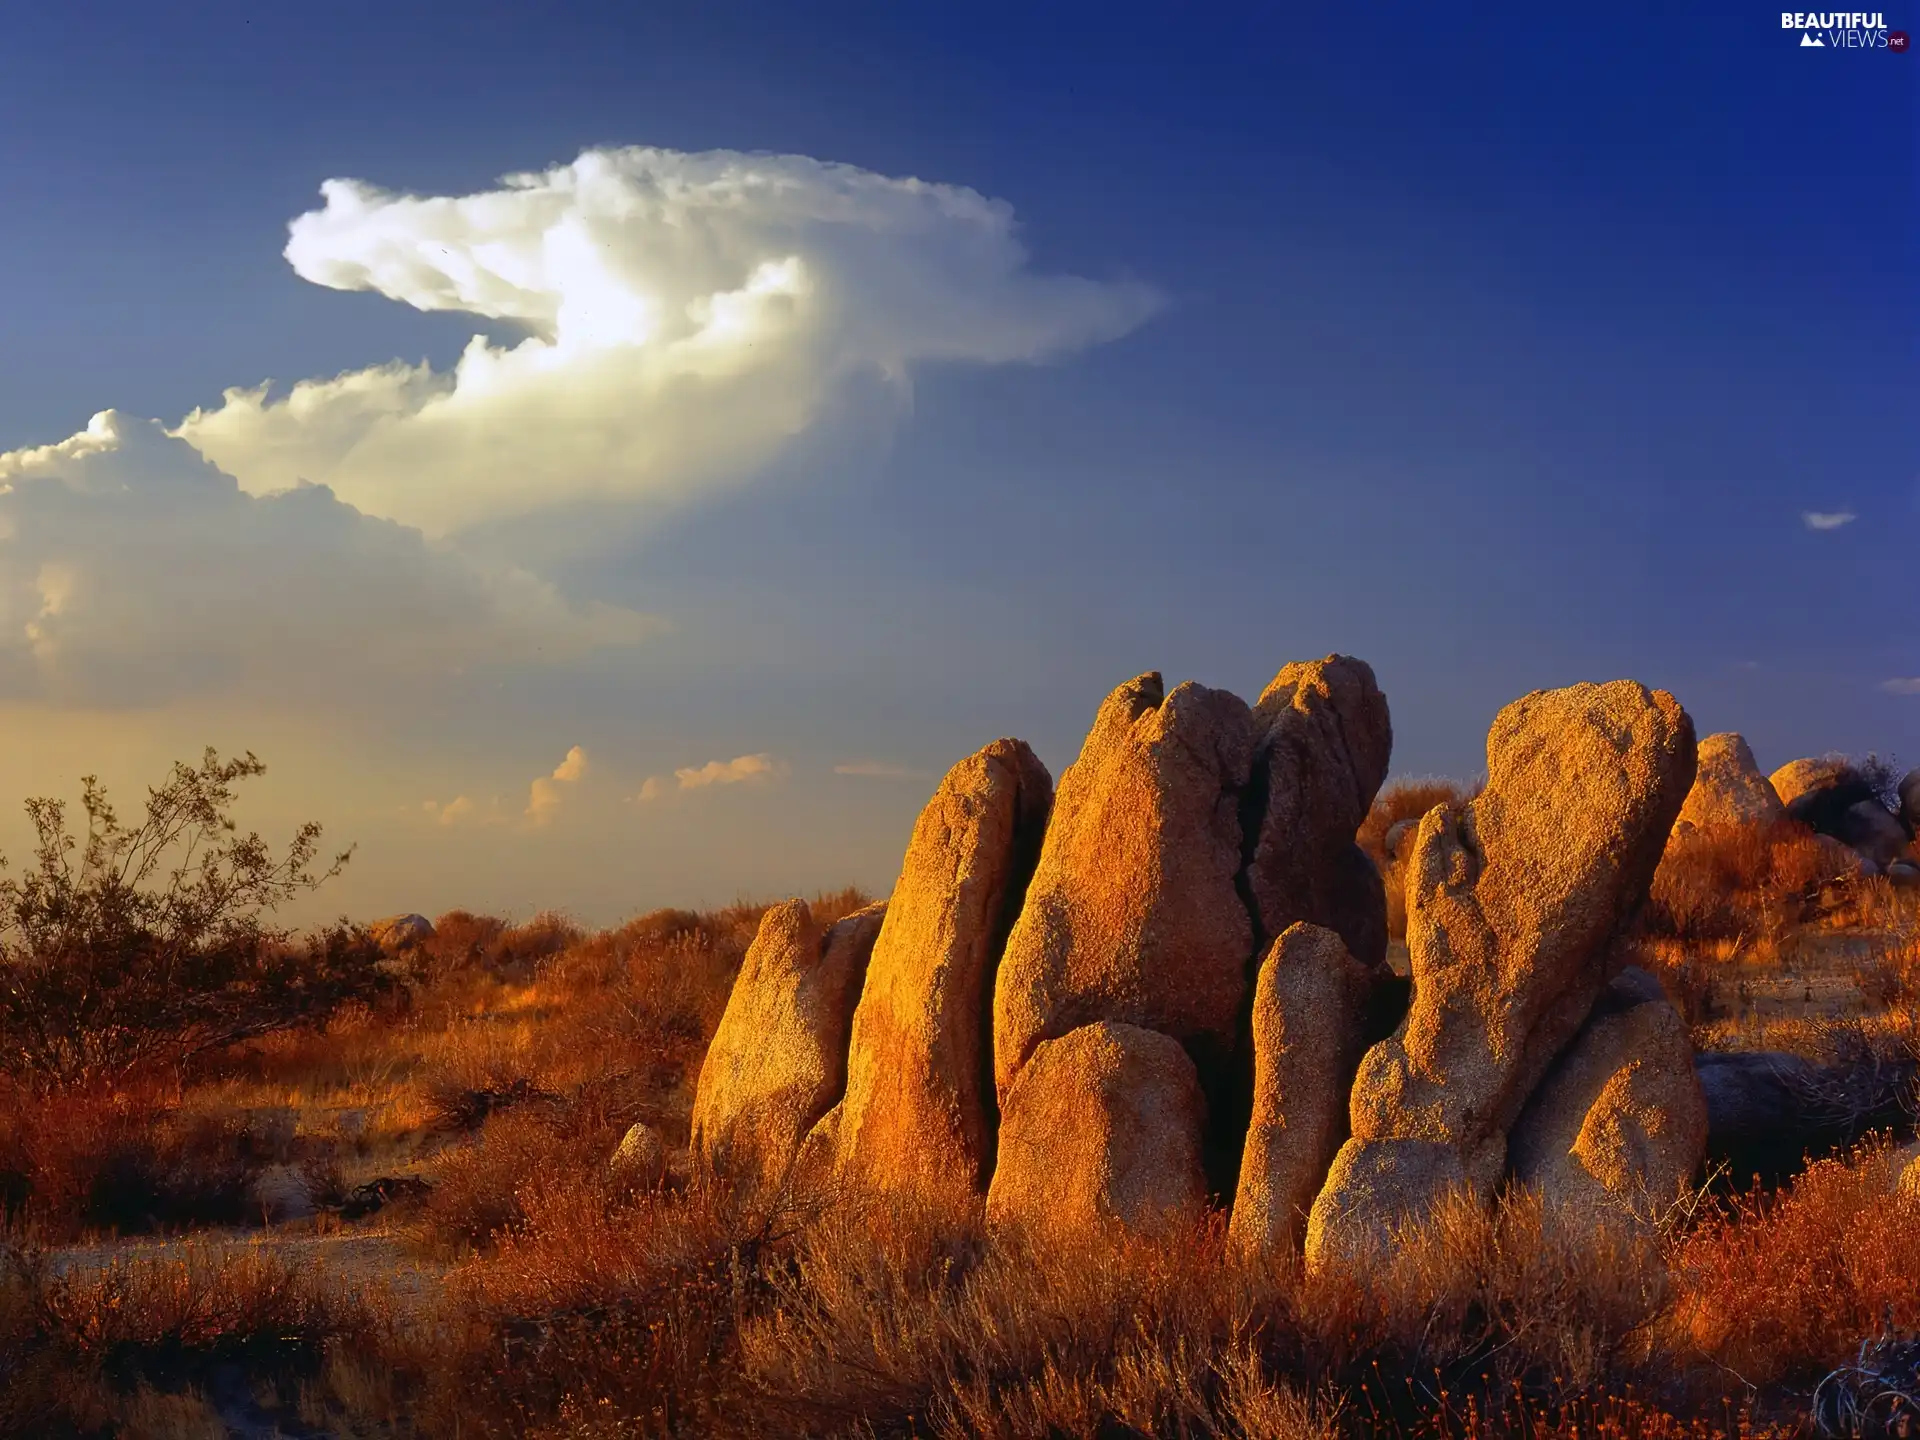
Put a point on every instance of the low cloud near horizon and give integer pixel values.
(134, 572)
(1902, 685)
(762, 768)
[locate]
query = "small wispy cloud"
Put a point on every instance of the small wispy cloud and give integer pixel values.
(1827, 519)
(877, 770)
(1908, 685)
(762, 768)
(545, 796)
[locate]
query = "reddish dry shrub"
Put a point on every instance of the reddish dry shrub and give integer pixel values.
(1405, 800)
(1737, 882)
(1409, 800)
(127, 1160)
(1781, 1287)
(81, 1351)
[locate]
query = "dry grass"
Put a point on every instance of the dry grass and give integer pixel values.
(575, 1308)
(126, 1350)
(1745, 883)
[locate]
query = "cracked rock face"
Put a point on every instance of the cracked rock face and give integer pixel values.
(1327, 741)
(1101, 1129)
(778, 1062)
(1134, 914)
(1513, 904)
(919, 1113)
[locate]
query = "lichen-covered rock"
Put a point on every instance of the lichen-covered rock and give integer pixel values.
(1310, 1007)
(778, 1062)
(919, 1113)
(1101, 1128)
(1133, 913)
(1513, 904)
(1326, 740)
(1620, 1120)
(639, 1162)
(1728, 788)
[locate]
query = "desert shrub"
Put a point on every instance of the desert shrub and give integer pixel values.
(1737, 882)
(86, 1352)
(127, 1160)
(1409, 799)
(1784, 1286)
(1405, 800)
(153, 944)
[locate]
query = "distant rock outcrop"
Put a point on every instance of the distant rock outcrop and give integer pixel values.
(778, 1062)
(1620, 1120)
(1814, 775)
(919, 1109)
(1728, 788)
(1101, 1128)
(1513, 905)
(1133, 914)
(1873, 832)
(1309, 1011)
(401, 932)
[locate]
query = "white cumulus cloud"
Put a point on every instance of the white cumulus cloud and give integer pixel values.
(1827, 519)
(545, 796)
(1902, 685)
(742, 769)
(133, 571)
(681, 316)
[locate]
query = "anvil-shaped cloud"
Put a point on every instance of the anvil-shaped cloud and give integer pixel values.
(682, 316)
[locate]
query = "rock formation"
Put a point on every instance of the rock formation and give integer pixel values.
(1797, 779)
(640, 1160)
(1620, 1120)
(396, 933)
(1309, 1014)
(778, 1062)
(1513, 903)
(1133, 913)
(1326, 741)
(1728, 788)
(919, 1110)
(1910, 800)
(1100, 1128)
(1872, 831)
(1906, 1173)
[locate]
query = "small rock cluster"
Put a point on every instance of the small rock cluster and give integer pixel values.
(1165, 985)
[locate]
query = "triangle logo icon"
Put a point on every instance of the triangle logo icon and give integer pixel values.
(1812, 42)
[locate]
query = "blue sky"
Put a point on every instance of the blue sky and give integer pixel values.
(1503, 348)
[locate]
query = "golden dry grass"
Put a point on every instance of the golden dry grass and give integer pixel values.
(574, 1306)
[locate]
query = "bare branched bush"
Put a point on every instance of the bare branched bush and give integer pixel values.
(126, 945)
